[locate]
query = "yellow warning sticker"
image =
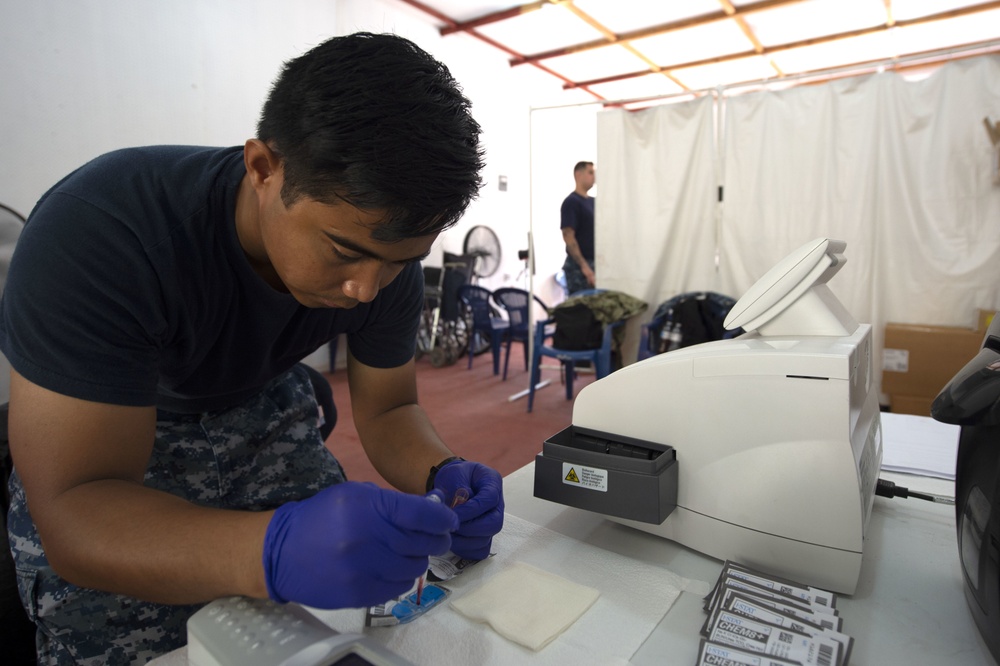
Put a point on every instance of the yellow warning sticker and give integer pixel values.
(591, 478)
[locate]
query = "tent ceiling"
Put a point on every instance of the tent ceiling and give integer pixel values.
(628, 49)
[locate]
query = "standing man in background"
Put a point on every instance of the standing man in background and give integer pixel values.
(578, 230)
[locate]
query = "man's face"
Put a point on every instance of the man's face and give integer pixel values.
(325, 256)
(587, 176)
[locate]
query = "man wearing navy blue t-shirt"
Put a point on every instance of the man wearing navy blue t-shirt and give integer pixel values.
(577, 224)
(163, 436)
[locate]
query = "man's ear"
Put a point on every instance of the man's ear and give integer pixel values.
(263, 165)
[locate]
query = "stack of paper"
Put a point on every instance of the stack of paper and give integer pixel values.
(919, 445)
(755, 618)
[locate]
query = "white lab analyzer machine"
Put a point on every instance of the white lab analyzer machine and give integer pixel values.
(764, 449)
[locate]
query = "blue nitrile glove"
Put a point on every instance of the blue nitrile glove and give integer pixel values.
(353, 545)
(481, 515)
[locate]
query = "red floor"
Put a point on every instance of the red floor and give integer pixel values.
(471, 411)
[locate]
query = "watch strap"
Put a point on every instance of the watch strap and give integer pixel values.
(437, 468)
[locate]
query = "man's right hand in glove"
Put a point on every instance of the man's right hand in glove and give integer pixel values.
(353, 545)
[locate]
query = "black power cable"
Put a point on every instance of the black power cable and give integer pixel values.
(890, 489)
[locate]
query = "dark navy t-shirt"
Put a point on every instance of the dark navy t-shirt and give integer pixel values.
(129, 286)
(577, 213)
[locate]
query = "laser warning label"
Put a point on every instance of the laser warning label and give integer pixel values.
(585, 477)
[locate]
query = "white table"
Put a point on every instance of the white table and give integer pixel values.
(909, 606)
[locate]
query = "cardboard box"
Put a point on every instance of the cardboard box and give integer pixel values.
(918, 361)
(908, 404)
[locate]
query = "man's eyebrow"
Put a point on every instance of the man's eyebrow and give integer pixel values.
(354, 247)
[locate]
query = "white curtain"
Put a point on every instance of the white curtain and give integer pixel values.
(902, 171)
(656, 211)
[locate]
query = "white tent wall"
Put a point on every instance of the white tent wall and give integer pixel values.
(900, 170)
(85, 77)
(656, 229)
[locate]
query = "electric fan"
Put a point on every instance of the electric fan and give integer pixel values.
(484, 245)
(11, 223)
(8, 214)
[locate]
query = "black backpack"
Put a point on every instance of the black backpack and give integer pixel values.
(576, 328)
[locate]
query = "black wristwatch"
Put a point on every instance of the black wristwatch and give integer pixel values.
(437, 468)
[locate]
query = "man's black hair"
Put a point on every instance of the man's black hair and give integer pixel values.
(580, 166)
(373, 120)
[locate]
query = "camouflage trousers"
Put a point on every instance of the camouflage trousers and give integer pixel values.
(256, 456)
(575, 279)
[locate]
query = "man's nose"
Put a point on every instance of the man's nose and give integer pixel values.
(363, 283)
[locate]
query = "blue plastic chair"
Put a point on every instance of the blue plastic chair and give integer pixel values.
(600, 357)
(515, 302)
(477, 301)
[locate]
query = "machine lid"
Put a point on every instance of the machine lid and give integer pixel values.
(786, 282)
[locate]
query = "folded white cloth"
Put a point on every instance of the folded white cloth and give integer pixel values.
(527, 605)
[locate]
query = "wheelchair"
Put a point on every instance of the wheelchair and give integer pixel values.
(444, 332)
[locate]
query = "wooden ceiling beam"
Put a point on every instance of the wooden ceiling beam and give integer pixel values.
(609, 34)
(494, 17)
(825, 76)
(693, 21)
(771, 50)
(567, 83)
(888, 12)
(748, 32)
